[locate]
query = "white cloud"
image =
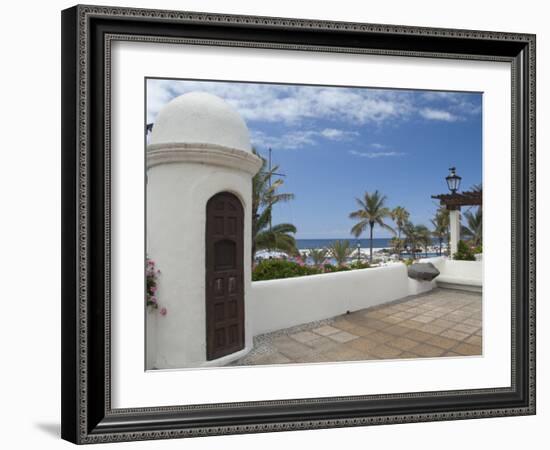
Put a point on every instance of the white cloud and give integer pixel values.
(289, 104)
(298, 139)
(438, 114)
(373, 155)
(338, 135)
(295, 106)
(288, 141)
(377, 145)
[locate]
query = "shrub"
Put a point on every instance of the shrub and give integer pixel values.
(151, 277)
(359, 265)
(464, 252)
(271, 269)
(329, 268)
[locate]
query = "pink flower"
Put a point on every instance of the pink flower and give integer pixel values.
(163, 311)
(154, 299)
(153, 289)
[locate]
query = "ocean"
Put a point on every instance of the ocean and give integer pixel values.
(303, 244)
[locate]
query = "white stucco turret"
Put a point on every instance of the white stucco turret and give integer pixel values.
(200, 146)
(199, 117)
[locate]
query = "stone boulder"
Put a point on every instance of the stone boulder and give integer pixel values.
(423, 271)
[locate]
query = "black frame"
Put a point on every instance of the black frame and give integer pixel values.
(87, 416)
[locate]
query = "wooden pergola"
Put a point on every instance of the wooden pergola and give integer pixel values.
(458, 199)
(453, 202)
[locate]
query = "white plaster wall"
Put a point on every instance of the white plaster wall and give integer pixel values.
(458, 272)
(151, 321)
(177, 194)
(288, 302)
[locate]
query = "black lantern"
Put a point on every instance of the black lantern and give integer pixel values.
(453, 180)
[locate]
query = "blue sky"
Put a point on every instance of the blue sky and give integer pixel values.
(335, 143)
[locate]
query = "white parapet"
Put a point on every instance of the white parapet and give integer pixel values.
(284, 303)
(466, 275)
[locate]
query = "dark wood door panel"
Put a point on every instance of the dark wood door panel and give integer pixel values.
(224, 275)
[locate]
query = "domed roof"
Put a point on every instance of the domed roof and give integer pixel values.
(200, 118)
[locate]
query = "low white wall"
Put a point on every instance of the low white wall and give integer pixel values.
(468, 273)
(284, 303)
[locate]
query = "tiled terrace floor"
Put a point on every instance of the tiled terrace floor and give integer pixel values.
(442, 322)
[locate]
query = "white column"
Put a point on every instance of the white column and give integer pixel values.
(454, 219)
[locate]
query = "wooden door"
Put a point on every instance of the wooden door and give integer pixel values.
(224, 276)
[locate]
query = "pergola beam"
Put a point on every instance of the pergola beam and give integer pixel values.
(470, 198)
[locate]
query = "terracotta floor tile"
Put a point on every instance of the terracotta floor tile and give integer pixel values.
(467, 349)
(427, 350)
(377, 314)
(380, 337)
(423, 319)
(443, 323)
(432, 329)
(363, 345)
(442, 342)
(393, 319)
(474, 340)
(451, 354)
(361, 331)
(418, 335)
(408, 355)
(304, 336)
(402, 343)
(468, 329)
(289, 347)
(342, 337)
(396, 330)
(404, 315)
(325, 330)
(343, 324)
(372, 323)
(322, 344)
(412, 324)
(474, 322)
(386, 352)
(273, 358)
(453, 334)
(347, 354)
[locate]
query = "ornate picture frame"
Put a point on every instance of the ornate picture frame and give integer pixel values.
(88, 33)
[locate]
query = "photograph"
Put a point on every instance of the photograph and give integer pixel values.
(310, 224)
(283, 222)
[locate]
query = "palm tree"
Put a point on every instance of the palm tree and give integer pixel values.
(425, 237)
(318, 255)
(473, 230)
(279, 237)
(397, 245)
(264, 196)
(417, 236)
(400, 216)
(440, 223)
(372, 212)
(340, 251)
